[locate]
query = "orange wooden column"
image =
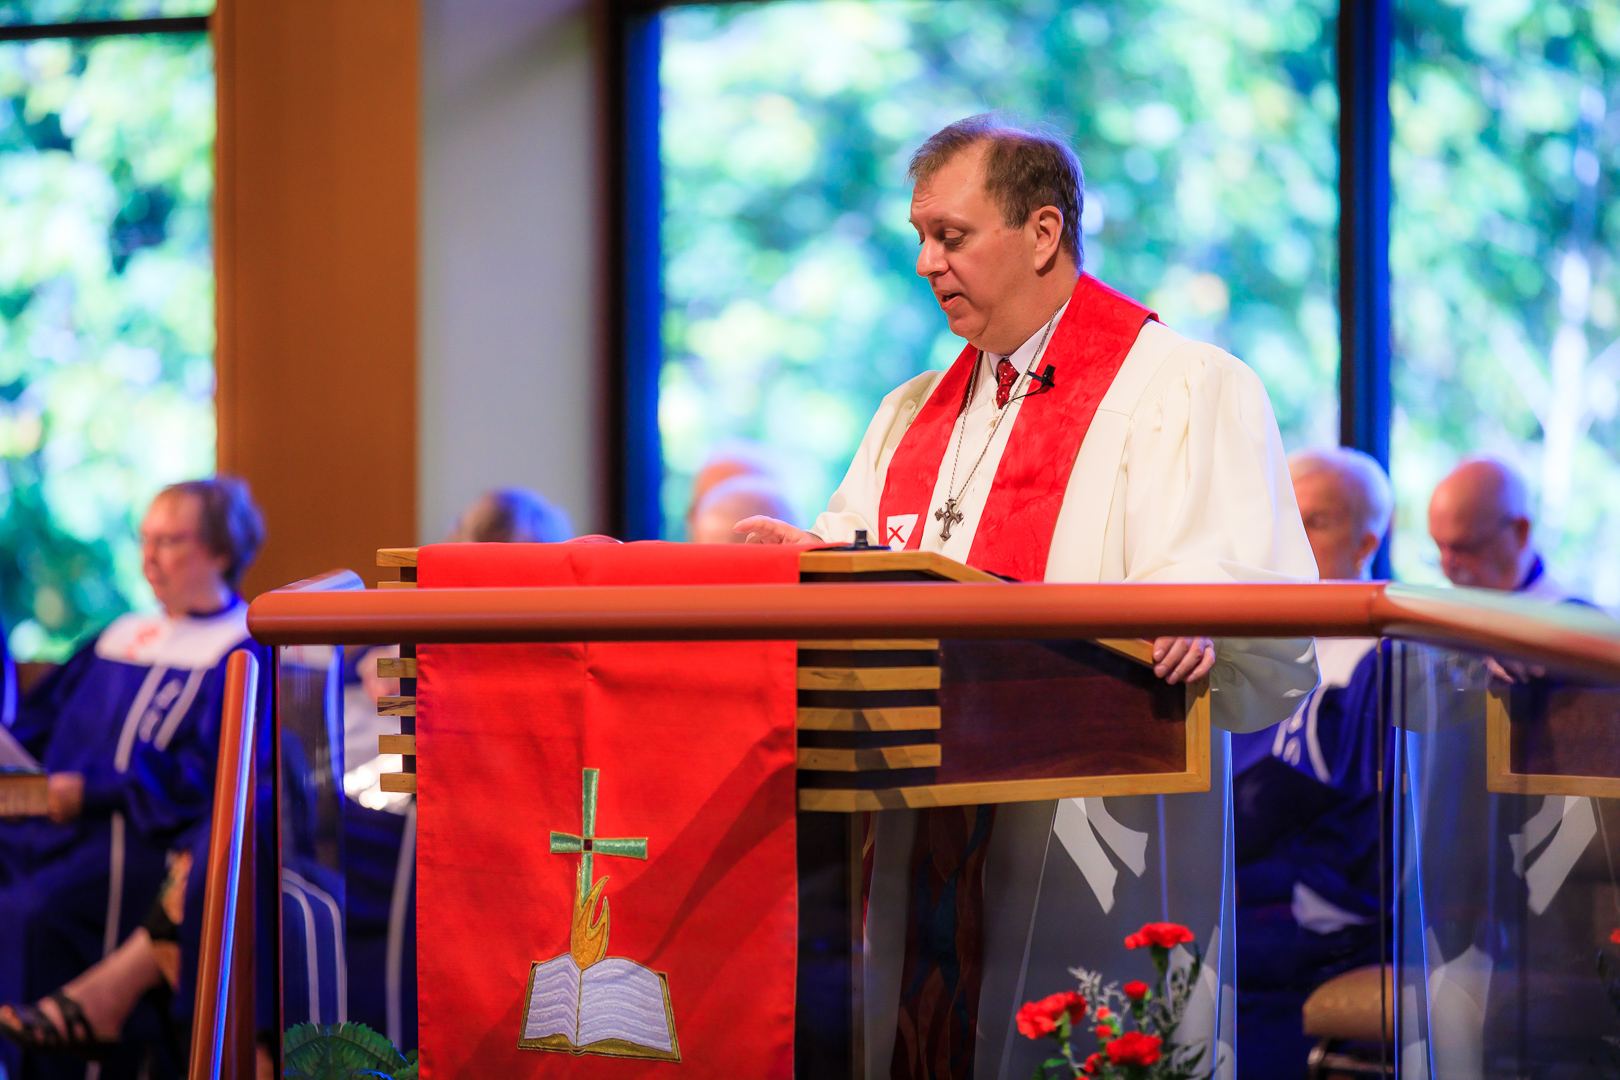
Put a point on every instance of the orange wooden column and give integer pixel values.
(316, 259)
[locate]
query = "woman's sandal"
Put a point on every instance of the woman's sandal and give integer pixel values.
(35, 1031)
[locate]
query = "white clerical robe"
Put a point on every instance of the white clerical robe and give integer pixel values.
(1181, 478)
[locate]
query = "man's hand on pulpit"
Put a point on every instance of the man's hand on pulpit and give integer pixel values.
(1182, 659)
(768, 530)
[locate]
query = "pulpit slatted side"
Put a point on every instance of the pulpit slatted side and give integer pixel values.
(403, 668)
(971, 709)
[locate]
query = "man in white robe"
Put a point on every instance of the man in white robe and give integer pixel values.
(1178, 475)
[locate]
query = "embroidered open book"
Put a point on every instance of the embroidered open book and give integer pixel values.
(614, 1007)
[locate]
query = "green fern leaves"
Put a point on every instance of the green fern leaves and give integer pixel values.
(343, 1052)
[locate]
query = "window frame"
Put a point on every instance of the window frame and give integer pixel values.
(1364, 38)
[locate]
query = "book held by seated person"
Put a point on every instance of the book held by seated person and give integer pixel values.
(24, 787)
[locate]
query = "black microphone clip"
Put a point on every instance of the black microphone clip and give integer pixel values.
(1044, 381)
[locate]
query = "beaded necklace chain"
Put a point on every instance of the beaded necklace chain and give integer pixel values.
(949, 514)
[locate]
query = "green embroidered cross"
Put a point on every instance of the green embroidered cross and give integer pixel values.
(587, 844)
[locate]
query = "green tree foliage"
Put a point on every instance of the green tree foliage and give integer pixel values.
(792, 303)
(1506, 293)
(39, 12)
(106, 317)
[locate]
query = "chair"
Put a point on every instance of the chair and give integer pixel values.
(1353, 1019)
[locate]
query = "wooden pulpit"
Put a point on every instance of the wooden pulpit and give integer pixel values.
(1550, 736)
(886, 724)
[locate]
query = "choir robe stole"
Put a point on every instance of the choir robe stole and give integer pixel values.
(606, 834)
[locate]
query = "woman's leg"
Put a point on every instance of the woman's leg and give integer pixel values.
(108, 991)
(150, 957)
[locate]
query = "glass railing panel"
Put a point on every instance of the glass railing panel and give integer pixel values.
(309, 710)
(347, 844)
(1507, 850)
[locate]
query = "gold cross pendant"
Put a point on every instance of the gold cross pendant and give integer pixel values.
(950, 515)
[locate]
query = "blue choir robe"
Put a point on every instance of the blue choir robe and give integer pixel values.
(379, 870)
(1307, 811)
(137, 712)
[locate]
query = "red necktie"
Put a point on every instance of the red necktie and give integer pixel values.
(1006, 375)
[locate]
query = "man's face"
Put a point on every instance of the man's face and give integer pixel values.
(1339, 544)
(972, 260)
(183, 572)
(1480, 547)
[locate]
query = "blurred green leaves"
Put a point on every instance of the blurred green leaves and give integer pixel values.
(1506, 292)
(106, 315)
(792, 304)
(41, 12)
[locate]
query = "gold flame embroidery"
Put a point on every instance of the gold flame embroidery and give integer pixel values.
(588, 939)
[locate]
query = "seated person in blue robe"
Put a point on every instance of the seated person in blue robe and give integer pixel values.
(1305, 795)
(128, 730)
(379, 932)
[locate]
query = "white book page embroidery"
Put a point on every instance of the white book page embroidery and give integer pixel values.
(554, 1000)
(620, 999)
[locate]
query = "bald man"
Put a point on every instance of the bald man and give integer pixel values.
(1507, 916)
(1479, 518)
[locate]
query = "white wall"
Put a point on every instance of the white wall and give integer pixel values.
(508, 388)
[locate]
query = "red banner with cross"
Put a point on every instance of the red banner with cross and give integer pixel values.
(606, 837)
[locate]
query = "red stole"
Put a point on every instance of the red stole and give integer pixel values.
(1015, 534)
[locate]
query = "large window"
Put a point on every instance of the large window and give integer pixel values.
(791, 301)
(106, 309)
(1505, 287)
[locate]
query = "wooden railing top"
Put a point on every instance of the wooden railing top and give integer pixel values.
(1567, 636)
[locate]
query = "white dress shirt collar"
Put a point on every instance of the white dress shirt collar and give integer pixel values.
(1023, 359)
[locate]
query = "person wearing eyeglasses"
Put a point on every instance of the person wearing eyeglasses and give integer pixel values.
(1479, 518)
(128, 731)
(1306, 798)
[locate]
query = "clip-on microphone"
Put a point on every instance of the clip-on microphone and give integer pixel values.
(1044, 381)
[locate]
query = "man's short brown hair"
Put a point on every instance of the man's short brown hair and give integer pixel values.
(1024, 170)
(228, 521)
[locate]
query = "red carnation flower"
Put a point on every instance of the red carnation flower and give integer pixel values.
(1163, 934)
(1104, 1031)
(1093, 1063)
(1134, 1048)
(1037, 1019)
(1136, 991)
(1615, 937)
